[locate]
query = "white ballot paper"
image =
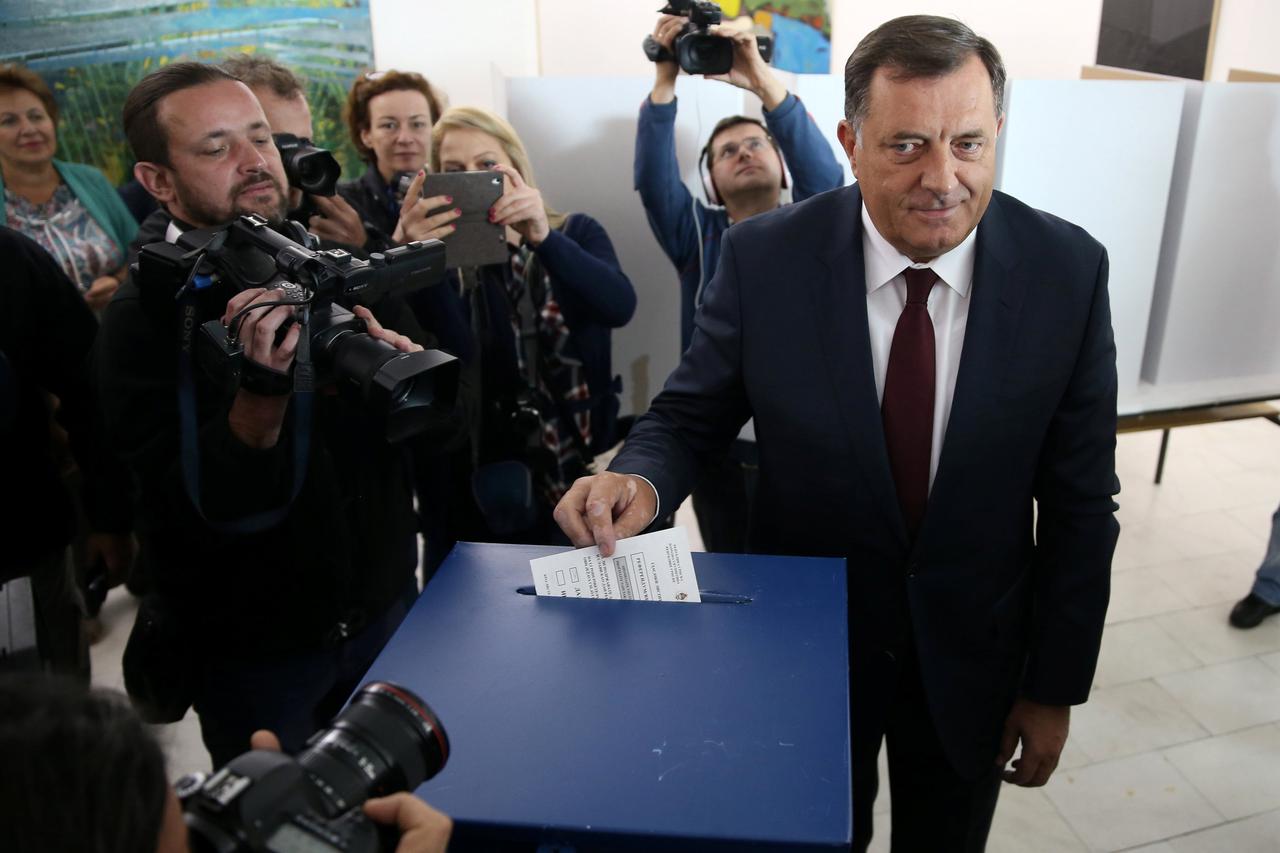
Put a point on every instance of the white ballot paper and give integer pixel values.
(653, 567)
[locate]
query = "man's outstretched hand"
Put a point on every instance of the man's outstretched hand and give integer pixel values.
(603, 508)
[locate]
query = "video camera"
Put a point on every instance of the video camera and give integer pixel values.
(409, 390)
(313, 170)
(695, 49)
(386, 740)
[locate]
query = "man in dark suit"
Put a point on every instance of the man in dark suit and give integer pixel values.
(931, 370)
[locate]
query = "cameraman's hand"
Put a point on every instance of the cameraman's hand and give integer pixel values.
(665, 73)
(603, 508)
(337, 221)
(257, 328)
(749, 70)
(520, 207)
(255, 419)
(414, 223)
(116, 550)
(422, 828)
(101, 291)
(376, 329)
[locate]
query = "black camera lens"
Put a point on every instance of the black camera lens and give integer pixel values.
(386, 740)
(699, 53)
(310, 169)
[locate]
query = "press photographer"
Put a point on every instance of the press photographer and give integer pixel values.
(695, 47)
(744, 170)
(84, 773)
(282, 566)
(312, 172)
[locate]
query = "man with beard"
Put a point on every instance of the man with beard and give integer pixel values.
(267, 624)
(743, 175)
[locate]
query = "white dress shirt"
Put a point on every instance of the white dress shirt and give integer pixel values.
(948, 309)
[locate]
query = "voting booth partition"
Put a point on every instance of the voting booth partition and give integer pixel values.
(1155, 170)
(630, 725)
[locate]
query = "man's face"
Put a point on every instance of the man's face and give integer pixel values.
(744, 160)
(286, 115)
(925, 157)
(223, 162)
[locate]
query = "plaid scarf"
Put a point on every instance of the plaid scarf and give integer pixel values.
(560, 377)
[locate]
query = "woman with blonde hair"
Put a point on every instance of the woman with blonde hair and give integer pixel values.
(543, 321)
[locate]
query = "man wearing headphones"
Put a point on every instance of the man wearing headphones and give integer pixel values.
(744, 170)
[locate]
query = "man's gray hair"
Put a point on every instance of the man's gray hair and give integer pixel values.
(912, 47)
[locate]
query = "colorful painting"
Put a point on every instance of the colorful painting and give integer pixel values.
(92, 52)
(801, 31)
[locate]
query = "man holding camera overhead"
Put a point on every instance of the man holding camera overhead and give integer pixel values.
(743, 173)
(265, 625)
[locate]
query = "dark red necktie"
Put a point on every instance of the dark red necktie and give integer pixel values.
(907, 406)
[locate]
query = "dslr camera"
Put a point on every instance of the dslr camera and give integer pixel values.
(409, 391)
(695, 49)
(313, 170)
(386, 740)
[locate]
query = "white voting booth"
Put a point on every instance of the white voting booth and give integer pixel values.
(1180, 181)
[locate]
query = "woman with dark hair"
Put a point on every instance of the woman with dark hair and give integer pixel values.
(81, 772)
(389, 115)
(68, 208)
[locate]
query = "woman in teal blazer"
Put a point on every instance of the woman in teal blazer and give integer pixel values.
(70, 209)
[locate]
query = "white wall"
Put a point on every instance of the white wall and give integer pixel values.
(464, 49)
(1247, 37)
(457, 44)
(1038, 40)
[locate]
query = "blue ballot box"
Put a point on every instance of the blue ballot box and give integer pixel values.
(636, 725)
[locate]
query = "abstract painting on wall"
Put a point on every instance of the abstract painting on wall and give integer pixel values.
(801, 31)
(92, 52)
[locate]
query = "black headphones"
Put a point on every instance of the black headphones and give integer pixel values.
(704, 167)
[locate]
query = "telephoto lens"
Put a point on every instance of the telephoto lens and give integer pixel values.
(386, 740)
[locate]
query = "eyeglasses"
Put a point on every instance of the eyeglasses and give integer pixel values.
(754, 144)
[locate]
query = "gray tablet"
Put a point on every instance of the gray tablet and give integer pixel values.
(477, 242)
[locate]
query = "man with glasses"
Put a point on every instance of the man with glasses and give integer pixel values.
(743, 174)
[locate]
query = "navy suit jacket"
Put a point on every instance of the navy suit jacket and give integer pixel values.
(1005, 589)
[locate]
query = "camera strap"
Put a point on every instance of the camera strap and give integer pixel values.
(189, 427)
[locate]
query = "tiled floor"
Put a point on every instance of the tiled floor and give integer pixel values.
(1178, 750)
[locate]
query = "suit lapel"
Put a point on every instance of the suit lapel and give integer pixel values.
(993, 321)
(840, 308)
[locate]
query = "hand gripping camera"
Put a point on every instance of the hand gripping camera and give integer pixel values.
(386, 740)
(695, 49)
(409, 390)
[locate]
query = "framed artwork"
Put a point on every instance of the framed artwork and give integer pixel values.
(92, 52)
(1170, 37)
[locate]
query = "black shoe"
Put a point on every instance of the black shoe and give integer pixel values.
(1251, 610)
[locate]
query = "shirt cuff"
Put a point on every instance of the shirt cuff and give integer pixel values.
(657, 500)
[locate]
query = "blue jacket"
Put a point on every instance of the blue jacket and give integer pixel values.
(678, 219)
(98, 197)
(595, 297)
